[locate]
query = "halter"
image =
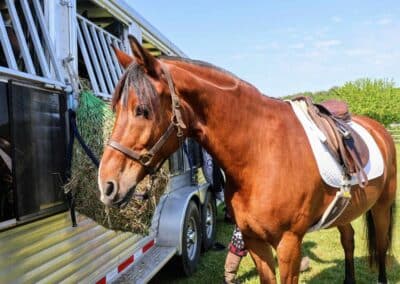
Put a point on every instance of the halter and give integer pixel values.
(145, 159)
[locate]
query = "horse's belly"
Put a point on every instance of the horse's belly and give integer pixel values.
(361, 201)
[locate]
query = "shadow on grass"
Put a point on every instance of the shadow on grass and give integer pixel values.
(248, 275)
(335, 273)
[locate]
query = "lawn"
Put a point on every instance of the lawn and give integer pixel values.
(323, 248)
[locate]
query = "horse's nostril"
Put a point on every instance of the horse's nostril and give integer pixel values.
(109, 188)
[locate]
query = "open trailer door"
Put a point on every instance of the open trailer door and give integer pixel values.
(32, 124)
(39, 144)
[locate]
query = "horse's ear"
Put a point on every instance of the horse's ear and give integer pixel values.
(143, 57)
(124, 59)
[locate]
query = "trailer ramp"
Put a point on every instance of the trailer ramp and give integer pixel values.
(51, 251)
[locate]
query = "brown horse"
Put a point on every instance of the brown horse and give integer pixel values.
(274, 188)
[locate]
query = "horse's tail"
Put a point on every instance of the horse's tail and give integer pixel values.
(371, 234)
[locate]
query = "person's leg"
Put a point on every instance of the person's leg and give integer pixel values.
(219, 181)
(236, 251)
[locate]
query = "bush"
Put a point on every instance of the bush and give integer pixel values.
(378, 99)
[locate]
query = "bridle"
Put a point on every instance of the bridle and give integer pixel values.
(145, 159)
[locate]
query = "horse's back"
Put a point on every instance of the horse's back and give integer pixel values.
(382, 137)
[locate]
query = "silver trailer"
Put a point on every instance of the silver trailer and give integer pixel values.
(45, 47)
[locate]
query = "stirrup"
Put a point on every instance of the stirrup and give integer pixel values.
(345, 186)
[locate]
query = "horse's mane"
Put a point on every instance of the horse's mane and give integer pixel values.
(135, 77)
(201, 64)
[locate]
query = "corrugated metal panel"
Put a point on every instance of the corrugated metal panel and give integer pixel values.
(51, 251)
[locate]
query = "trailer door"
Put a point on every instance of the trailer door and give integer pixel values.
(6, 186)
(39, 142)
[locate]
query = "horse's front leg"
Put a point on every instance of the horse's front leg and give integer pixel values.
(261, 253)
(289, 257)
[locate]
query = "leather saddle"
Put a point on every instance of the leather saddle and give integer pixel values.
(345, 145)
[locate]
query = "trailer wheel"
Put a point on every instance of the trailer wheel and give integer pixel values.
(208, 224)
(191, 240)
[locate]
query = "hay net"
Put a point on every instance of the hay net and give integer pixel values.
(95, 121)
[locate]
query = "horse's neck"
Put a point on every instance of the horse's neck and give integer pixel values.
(223, 116)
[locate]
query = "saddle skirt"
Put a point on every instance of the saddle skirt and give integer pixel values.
(330, 170)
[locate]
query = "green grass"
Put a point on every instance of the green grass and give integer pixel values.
(323, 248)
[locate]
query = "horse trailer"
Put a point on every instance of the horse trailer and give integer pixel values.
(46, 48)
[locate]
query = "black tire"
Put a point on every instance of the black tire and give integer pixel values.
(209, 221)
(191, 240)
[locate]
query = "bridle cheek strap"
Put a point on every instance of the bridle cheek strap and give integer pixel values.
(145, 159)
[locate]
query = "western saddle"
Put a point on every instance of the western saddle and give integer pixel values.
(345, 145)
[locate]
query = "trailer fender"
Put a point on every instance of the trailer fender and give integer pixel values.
(172, 215)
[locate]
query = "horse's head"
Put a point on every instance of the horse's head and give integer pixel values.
(146, 127)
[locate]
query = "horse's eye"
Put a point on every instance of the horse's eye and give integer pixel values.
(142, 110)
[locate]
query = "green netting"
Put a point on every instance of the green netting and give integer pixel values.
(95, 121)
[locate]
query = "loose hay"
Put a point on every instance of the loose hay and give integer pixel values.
(95, 121)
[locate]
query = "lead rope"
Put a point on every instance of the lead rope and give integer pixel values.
(107, 216)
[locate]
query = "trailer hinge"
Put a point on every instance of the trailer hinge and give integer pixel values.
(73, 76)
(67, 3)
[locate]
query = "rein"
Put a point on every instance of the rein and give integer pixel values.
(145, 159)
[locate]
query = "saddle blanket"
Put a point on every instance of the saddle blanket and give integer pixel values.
(329, 168)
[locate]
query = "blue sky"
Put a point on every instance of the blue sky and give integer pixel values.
(284, 47)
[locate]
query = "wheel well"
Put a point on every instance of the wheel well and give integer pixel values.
(196, 200)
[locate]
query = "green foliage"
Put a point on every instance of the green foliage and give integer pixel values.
(378, 99)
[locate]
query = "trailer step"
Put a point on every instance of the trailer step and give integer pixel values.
(147, 266)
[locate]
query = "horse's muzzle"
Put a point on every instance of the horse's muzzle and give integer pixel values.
(125, 200)
(111, 196)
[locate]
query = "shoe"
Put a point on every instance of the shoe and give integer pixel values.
(220, 196)
(304, 264)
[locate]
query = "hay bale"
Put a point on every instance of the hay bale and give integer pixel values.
(95, 121)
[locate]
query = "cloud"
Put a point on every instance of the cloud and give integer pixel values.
(336, 19)
(299, 45)
(384, 21)
(240, 56)
(314, 54)
(308, 38)
(327, 43)
(247, 56)
(265, 46)
(358, 52)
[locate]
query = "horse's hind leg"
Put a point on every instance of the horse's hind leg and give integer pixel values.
(347, 240)
(261, 253)
(381, 216)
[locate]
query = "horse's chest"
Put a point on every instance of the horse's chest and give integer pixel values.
(255, 221)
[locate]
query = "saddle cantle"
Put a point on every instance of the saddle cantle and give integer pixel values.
(337, 108)
(345, 145)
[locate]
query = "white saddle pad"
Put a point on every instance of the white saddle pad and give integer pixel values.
(330, 170)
